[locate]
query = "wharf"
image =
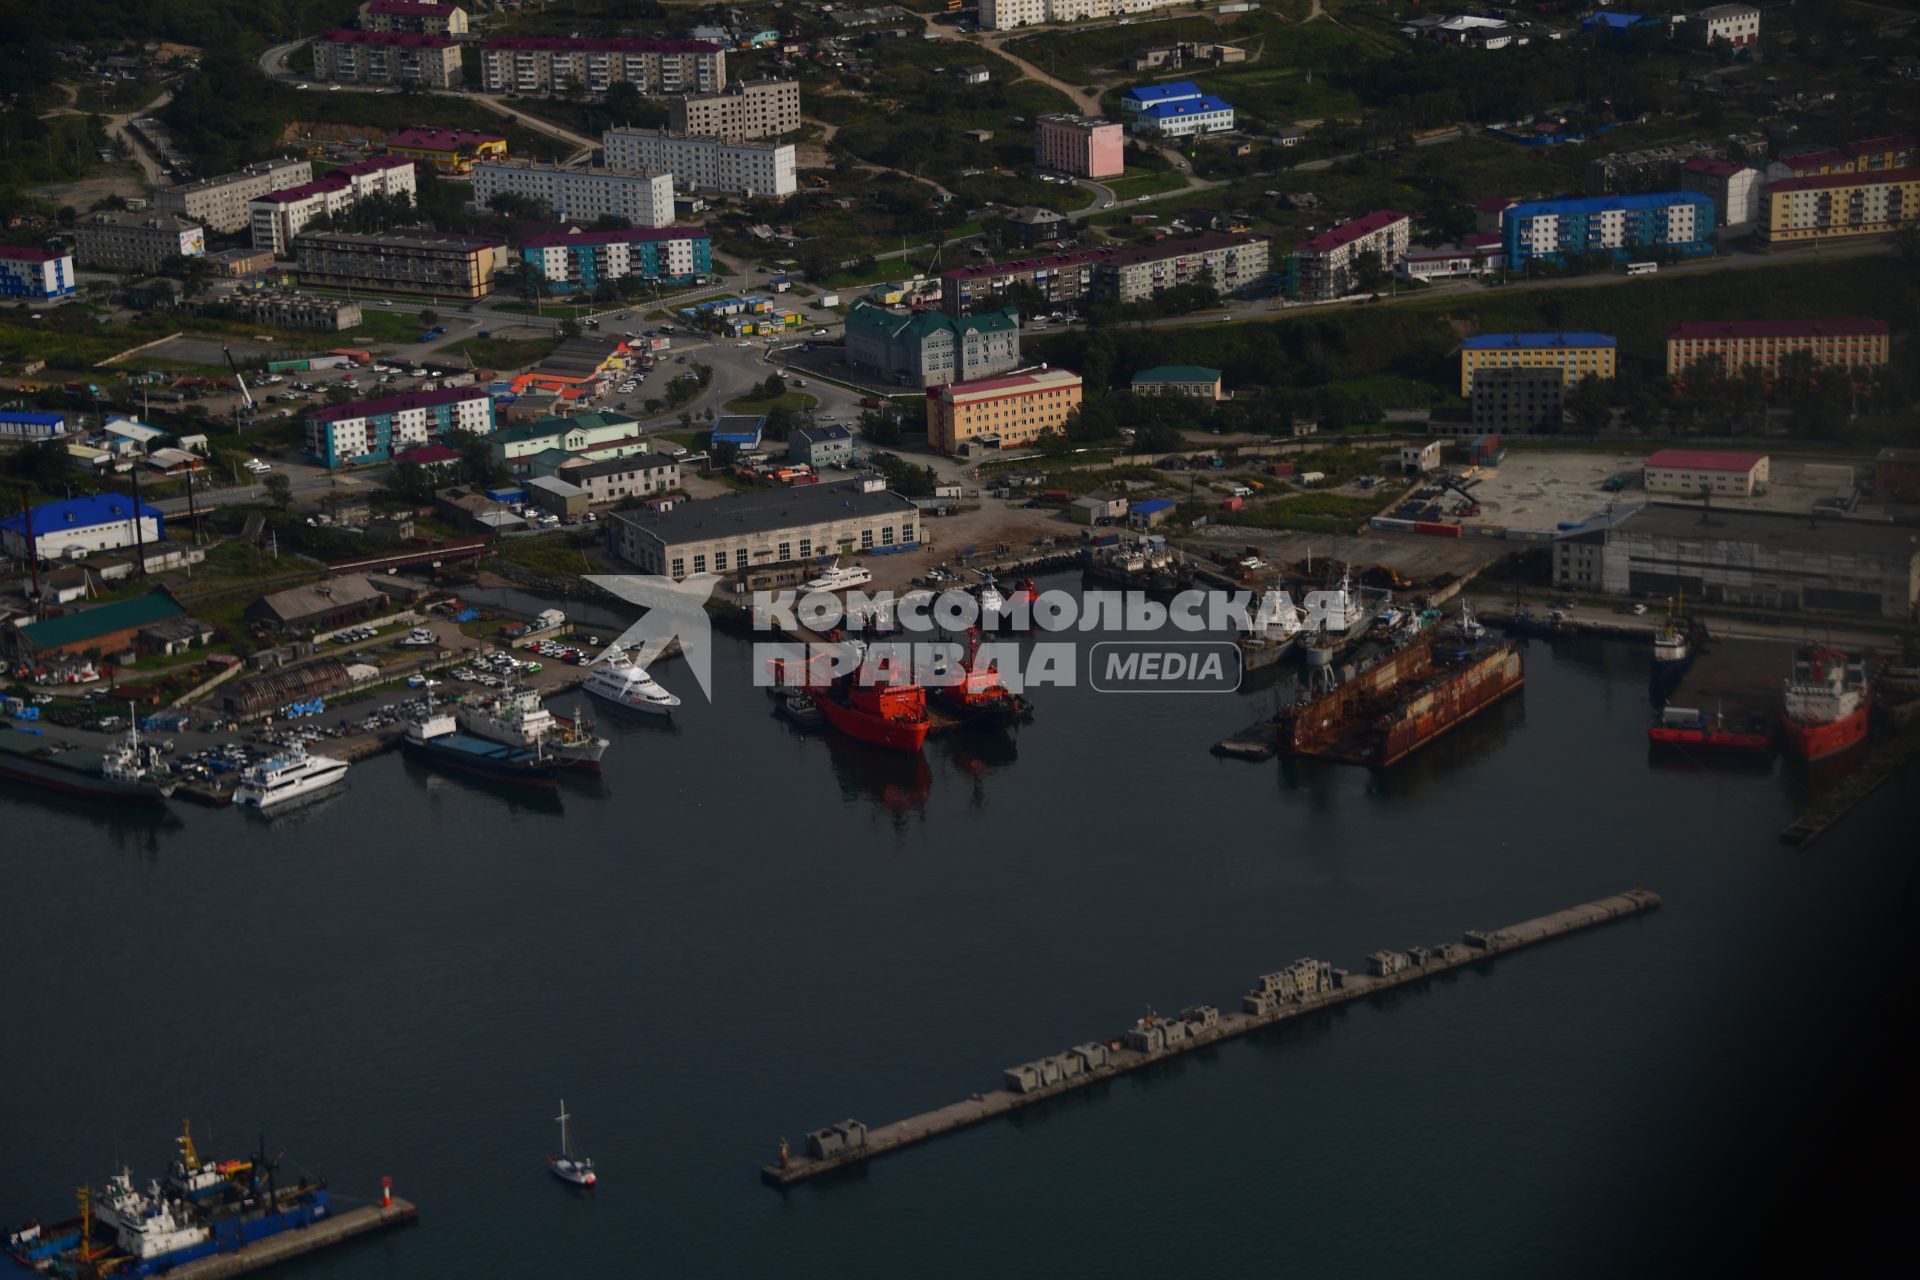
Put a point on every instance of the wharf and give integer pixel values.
(1887, 759)
(1115, 1060)
(292, 1244)
(1258, 741)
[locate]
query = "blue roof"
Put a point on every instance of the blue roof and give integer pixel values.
(1593, 204)
(37, 419)
(1185, 106)
(1615, 21)
(1162, 92)
(1496, 341)
(80, 513)
(1152, 505)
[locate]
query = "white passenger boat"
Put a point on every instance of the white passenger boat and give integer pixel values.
(620, 680)
(291, 775)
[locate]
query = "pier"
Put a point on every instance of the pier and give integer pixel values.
(292, 1244)
(1304, 988)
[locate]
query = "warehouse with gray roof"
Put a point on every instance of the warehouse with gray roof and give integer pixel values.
(766, 528)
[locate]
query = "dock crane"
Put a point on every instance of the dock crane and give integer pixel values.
(245, 395)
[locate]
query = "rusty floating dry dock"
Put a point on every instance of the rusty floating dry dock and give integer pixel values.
(292, 1244)
(1276, 999)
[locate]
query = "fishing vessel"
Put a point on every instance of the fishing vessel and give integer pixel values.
(1827, 701)
(839, 577)
(129, 770)
(435, 736)
(1273, 629)
(568, 1167)
(1671, 648)
(618, 679)
(1342, 620)
(516, 718)
(292, 775)
(126, 1230)
(1147, 564)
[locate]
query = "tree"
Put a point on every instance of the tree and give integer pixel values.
(774, 387)
(476, 461)
(279, 490)
(882, 426)
(429, 317)
(569, 328)
(1591, 405)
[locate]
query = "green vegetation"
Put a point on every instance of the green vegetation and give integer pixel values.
(791, 401)
(502, 353)
(1138, 182)
(557, 554)
(1311, 512)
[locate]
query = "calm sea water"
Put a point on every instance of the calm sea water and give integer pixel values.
(743, 934)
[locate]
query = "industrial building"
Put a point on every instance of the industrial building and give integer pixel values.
(35, 273)
(1518, 401)
(1080, 145)
(577, 369)
(542, 64)
(1575, 355)
(1179, 380)
(1758, 559)
(746, 109)
(291, 309)
(222, 204)
(18, 427)
(446, 150)
(584, 260)
(277, 217)
(931, 348)
(747, 167)
(106, 629)
(1624, 227)
(319, 606)
(579, 195)
(1008, 412)
(1838, 206)
(374, 430)
(767, 527)
(413, 17)
(1737, 474)
(373, 57)
(1327, 266)
(75, 528)
(1851, 343)
(135, 241)
(437, 264)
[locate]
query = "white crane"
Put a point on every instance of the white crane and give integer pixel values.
(241, 382)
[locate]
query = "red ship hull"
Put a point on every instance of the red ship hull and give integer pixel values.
(894, 735)
(1818, 741)
(1666, 735)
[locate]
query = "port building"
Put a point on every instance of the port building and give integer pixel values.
(766, 528)
(1776, 561)
(78, 527)
(1733, 473)
(108, 629)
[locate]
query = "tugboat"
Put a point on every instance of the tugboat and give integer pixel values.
(1827, 702)
(1273, 628)
(979, 694)
(437, 738)
(1671, 651)
(799, 710)
(569, 1168)
(880, 712)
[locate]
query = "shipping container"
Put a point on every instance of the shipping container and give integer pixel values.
(1437, 530)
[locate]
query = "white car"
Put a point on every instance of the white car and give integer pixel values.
(819, 333)
(386, 302)
(257, 467)
(333, 88)
(743, 344)
(301, 86)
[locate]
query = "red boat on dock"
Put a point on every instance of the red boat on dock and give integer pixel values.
(1828, 699)
(1686, 727)
(980, 693)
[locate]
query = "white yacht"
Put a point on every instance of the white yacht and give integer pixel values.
(839, 578)
(291, 775)
(620, 680)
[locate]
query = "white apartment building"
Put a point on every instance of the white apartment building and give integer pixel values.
(1735, 188)
(1005, 15)
(277, 217)
(540, 64)
(1737, 24)
(579, 195)
(221, 204)
(735, 166)
(748, 109)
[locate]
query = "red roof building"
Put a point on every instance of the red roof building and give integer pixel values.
(1767, 345)
(1710, 471)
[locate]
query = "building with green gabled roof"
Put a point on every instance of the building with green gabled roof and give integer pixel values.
(593, 436)
(1179, 379)
(932, 348)
(109, 628)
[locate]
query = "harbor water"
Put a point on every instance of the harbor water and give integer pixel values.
(741, 933)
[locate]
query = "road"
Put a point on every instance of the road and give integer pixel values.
(117, 130)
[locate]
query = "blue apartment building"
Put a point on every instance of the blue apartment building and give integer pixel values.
(582, 261)
(1623, 227)
(40, 275)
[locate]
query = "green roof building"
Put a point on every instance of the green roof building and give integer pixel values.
(931, 348)
(593, 436)
(110, 628)
(1179, 379)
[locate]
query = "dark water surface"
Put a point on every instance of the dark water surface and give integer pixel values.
(744, 934)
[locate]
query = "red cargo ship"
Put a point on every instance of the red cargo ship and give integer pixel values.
(1827, 700)
(1686, 727)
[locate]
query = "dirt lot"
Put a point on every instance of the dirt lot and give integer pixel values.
(108, 180)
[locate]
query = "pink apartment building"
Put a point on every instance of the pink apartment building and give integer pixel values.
(1081, 146)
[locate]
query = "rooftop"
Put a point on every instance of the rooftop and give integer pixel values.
(392, 39)
(397, 404)
(422, 239)
(1715, 168)
(764, 511)
(624, 235)
(825, 434)
(1780, 532)
(73, 628)
(1347, 232)
(738, 427)
(1169, 92)
(616, 466)
(1184, 107)
(1177, 373)
(1530, 341)
(562, 44)
(337, 180)
(422, 137)
(297, 603)
(555, 426)
(30, 253)
(1707, 459)
(1851, 326)
(1050, 261)
(79, 513)
(1042, 379)
(1823, 181)
(920, 323)
(411, 8)
(1593, 204)
(124, 218)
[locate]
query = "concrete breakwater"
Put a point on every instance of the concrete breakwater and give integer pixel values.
(1301, 988)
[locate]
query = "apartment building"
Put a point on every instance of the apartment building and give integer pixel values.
(579, 195)
(766, 527)
(744, 167)
(543, 64)
(640, 475)
(1080, 145)
(1518, 400)
(1062, 279)
(446, 150)
(1328, 266)
(585, 260)
(1007, 412)
(931, 348)
(374, 430)
(434, 263)
(136, 241)
(747, 109)
(1838, 206)
(1230, 260)
(221, 204)
(1623, 227)
(1575, 355)
(373, 57)
(412, 17)
(1766, 345)
(279, 216)
(1734, 24)
(1005, 15)
(1870, 155)
(1734, 188)
(291, 309)
(34, 273)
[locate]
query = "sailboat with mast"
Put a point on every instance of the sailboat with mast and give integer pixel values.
(576, 1170)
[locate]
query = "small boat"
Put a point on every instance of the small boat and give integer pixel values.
(1671, 649)
(625, 683)
(568, 1167)
(290, 776)
(801, 711)
(839, 577)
